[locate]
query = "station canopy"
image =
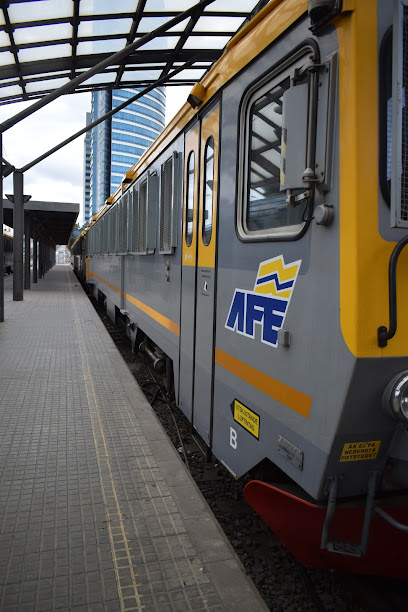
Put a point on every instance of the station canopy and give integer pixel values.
(46, 43)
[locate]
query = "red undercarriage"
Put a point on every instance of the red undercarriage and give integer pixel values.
(298, 524)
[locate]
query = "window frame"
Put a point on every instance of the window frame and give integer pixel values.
(188, 236)
(205, 164)
(303, 56)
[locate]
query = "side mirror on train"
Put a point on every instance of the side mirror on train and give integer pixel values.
(295, 129)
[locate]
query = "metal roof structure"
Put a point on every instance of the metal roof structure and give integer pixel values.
(46, 43)
(55, 220)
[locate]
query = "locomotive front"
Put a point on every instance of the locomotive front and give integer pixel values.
(349, 506)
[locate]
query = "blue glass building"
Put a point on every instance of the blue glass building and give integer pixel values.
(119, 142)
(87, 173)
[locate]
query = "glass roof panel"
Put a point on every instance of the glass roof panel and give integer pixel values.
(6, 58)
(4, 39)
(102, 27)
(245, 6)
(102, 7)
(12, 90)
(44, 52)
(45, 85)
(164, 42)
(168, 5)
(218, 24)
(140, 75)
(72, 53)
(147, 24)
(42, 33)
(206, 42)
(33, 11)
(103, 77)
(100, 46)
(190, 74)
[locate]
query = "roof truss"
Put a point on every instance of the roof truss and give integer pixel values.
(46, 43)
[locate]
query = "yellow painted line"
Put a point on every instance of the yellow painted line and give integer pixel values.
(293, 399)
(157, 316)
(167, 323)
(126, 577)
(105, 282)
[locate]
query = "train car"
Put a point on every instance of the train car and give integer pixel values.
(8, 251)
(255, 246)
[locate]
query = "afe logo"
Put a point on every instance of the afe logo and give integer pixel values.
(267, 304)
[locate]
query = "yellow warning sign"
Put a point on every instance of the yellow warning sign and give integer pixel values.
(360, 451)
(248, 419)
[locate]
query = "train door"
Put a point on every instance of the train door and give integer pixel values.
(198, 274)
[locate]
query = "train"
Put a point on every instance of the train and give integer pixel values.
(8, 251)
(256, 251)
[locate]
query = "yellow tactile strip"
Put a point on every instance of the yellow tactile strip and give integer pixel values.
(128, 593)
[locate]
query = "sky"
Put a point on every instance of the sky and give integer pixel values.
(58, 178)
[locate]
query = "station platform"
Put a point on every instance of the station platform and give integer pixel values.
(97, 511)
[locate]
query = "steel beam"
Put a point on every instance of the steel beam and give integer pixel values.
(113, 59)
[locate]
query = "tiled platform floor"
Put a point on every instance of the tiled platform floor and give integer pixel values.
(97, 512)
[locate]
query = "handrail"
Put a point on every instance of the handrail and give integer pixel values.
(391, 520)
(385, 334)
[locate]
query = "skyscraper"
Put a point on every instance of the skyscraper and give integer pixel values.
(87, 172)
(119, 142)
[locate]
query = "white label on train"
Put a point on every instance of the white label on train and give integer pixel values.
(267, 304)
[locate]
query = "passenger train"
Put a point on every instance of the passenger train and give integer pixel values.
(257, 248)
(8, 251)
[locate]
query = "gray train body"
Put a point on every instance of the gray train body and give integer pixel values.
(262, 376)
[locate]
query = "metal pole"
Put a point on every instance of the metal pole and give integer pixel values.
(18, 224)
(41, 248)
(35, 254)
(1, 236)
(27, 245)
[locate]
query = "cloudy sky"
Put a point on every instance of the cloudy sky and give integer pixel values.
(59, 178)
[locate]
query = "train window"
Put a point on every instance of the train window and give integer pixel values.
(267, 176)
(266, 208)
(385, 115)
(112, 230)
(190, 199)
(123, 230)
(168, 204)
(141, 247)
(135, 214)
(208, 190)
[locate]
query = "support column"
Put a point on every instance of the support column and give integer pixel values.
(27, 249)
(35, 254)
(18, 225)
(1, 236)
(41, 258)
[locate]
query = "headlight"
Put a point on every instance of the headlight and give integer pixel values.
(395, 398)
